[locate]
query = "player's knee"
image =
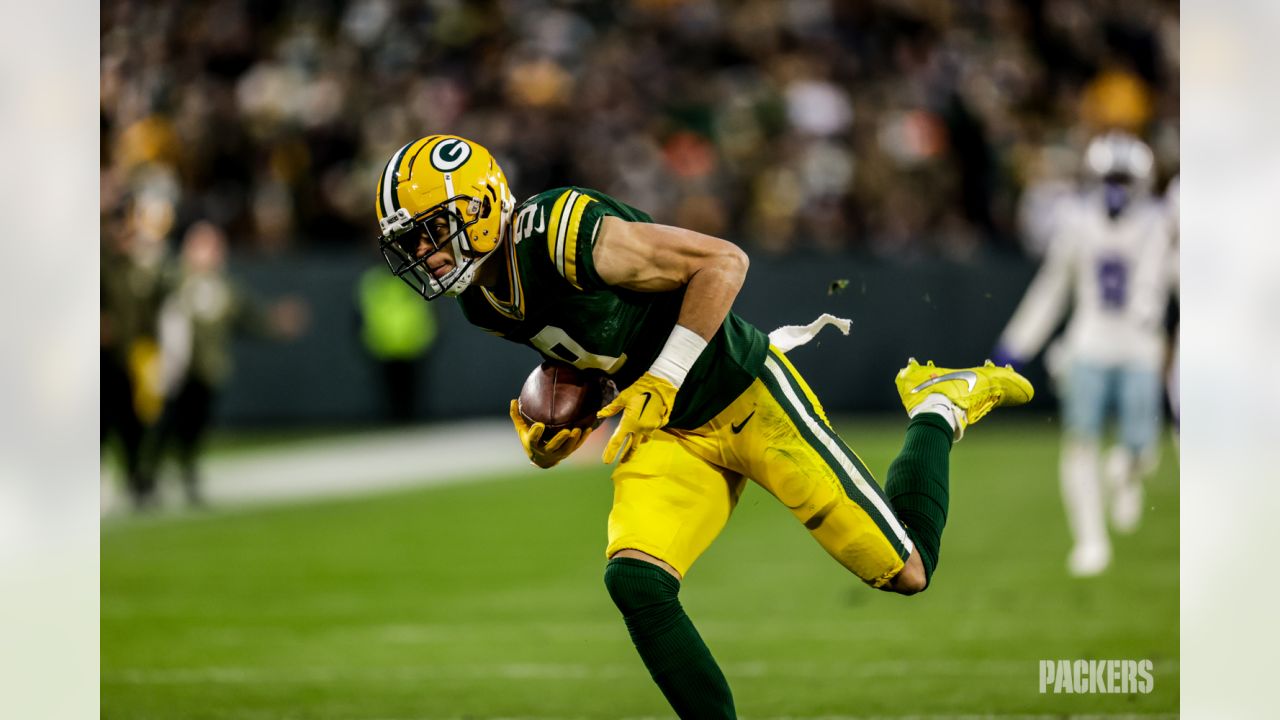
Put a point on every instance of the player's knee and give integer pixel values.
(912, 578)
(910, 582)
(637, 585)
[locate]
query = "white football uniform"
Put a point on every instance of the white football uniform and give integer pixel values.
(1119, 274)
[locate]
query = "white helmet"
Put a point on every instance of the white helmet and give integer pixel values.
(1121, 156)
(1124, 166)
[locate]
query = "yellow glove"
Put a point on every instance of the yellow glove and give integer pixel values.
(645, 407)
(547, 454)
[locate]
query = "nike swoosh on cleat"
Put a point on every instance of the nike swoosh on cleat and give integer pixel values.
(737, 427)
(968, 376)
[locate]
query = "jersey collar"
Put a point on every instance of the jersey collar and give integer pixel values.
(514, 309)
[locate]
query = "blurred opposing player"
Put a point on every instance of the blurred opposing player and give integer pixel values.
(1112, 256)
(707, 402)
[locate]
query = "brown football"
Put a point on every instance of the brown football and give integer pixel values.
(561, 396)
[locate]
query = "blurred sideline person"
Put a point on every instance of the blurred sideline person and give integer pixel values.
(397, 330)
(1112, 256)
(198, 321)
(132, 284)
(707, 400)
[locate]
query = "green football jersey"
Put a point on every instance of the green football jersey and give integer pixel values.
(561, 308)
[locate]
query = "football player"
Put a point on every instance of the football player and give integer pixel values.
(706, 401)
(1112, 255)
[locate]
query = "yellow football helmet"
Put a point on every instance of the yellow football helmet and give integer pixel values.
(450, 192)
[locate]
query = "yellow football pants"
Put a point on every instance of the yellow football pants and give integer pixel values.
(675, 493)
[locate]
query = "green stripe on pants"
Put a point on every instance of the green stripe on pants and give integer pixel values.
(857, 485)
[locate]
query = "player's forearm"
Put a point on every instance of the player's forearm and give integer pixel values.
(1039, 312)
(708, 296)
(656, 258)
(712, 290)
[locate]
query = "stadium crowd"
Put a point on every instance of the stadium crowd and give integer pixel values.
(897, 128)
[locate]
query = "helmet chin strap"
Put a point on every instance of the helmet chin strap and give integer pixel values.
(460, 277)
(465, 275)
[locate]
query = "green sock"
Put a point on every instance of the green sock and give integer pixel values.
(918, 485)
(670, 646)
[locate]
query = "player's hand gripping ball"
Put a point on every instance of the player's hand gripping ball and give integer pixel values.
(556, 410)
(645, 406)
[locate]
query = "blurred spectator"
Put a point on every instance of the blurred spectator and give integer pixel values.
(1047, 175)
(894, 127)
(397, 330)
(197, 322)
(132, 287)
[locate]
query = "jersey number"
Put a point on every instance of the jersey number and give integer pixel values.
(555, 342)
(530, 220)
(1113, 280)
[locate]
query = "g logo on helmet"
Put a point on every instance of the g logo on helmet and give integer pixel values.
(450, 154)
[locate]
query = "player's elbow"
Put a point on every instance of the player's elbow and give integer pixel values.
(731, 260)
(720, 262)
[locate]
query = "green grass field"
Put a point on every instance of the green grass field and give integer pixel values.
(485, 600)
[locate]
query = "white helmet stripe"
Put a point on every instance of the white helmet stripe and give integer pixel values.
(448, 185)
(390, 202)
(453, 226)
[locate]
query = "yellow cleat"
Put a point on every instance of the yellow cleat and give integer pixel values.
(974, 391)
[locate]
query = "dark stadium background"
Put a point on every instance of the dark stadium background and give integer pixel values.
(910, 145)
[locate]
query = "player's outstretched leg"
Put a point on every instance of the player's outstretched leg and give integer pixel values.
(1137, 456)
(1080, 478)
(672, 650)
(1122, 476)
(941, 403)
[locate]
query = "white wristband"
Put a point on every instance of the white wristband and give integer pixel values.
(678, 355)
